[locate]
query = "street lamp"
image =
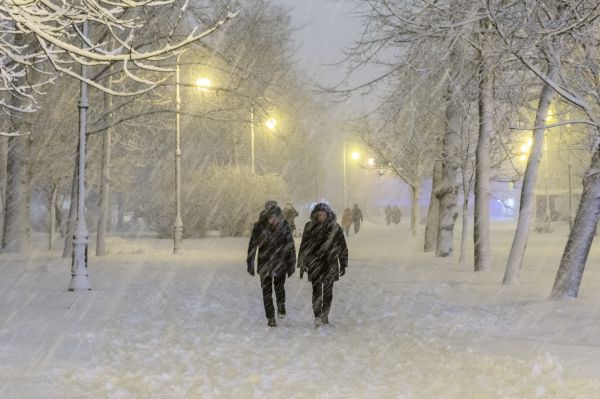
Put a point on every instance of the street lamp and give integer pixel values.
(271, 123)
(178, 224)
(203, 84)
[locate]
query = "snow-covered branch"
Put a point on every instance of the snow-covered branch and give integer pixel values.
(35, 32)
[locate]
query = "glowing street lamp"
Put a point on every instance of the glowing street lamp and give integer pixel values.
(371, 162)
(271, 123)
(204, 84)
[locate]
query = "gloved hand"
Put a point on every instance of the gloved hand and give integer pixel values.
(342, 271)
(251, 269)
(301, 272)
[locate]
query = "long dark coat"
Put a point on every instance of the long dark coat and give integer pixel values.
(323, 249)
(275, 247)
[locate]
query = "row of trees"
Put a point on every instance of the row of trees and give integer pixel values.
(463, 76)
(132, 50)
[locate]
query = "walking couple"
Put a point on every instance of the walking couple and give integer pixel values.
(323, 256)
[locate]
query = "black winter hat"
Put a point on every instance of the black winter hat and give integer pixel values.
(273, 211)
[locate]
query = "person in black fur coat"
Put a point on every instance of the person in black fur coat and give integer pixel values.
(272, 239)
(323, 255)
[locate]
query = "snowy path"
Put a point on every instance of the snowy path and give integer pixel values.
(405, 325)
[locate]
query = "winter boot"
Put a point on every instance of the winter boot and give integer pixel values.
(281, 310)
(324, 319)
(318, 322)
(271, 322)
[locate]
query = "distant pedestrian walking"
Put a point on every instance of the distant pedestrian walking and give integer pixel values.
(289, 214)
(323, 255)
(388, 215)
(396, 215)
(357, 218)
(347, 220)
(272, 239)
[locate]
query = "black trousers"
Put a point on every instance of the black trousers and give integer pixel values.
(322, 295)
(356, 226)
(267, 283)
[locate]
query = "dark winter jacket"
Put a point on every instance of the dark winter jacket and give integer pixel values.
(275, 247)
(323, 251)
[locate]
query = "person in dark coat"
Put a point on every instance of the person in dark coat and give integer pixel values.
(357, 217)
(396, 215)
(323, 255)
(388, 214)
(272, 239)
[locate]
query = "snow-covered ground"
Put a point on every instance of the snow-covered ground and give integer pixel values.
(405, 325)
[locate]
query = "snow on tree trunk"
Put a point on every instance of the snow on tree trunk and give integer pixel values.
(52, 223)
(447, 191)
(433, 213)
(527, 201)
(104, 181)
(572, 264)
(17, 227)
(72, 218)
(481, 219)
(414, 209)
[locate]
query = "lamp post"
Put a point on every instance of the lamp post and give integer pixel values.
(178, 224)
(79, 274)
(270, 123)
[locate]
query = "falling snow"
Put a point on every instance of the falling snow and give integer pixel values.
(404, 325)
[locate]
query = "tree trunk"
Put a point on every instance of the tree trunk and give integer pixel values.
(481, 218)
(572, 264)
(433, 213)
(467, 177)
(59, 216)
(527, 201)
(447, 192)
(465, 226)
(414, 209)
(17, 223)
(52, 222)
(72, 218)
(104, 181)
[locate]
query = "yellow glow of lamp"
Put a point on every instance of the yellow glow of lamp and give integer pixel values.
(271, 123)
(371, 162)
(355, 155)
(203, 84)
(524, 148)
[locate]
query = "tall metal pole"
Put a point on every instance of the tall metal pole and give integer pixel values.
(344, 182)
(79, 273)
(178, 225)
(252, 137)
